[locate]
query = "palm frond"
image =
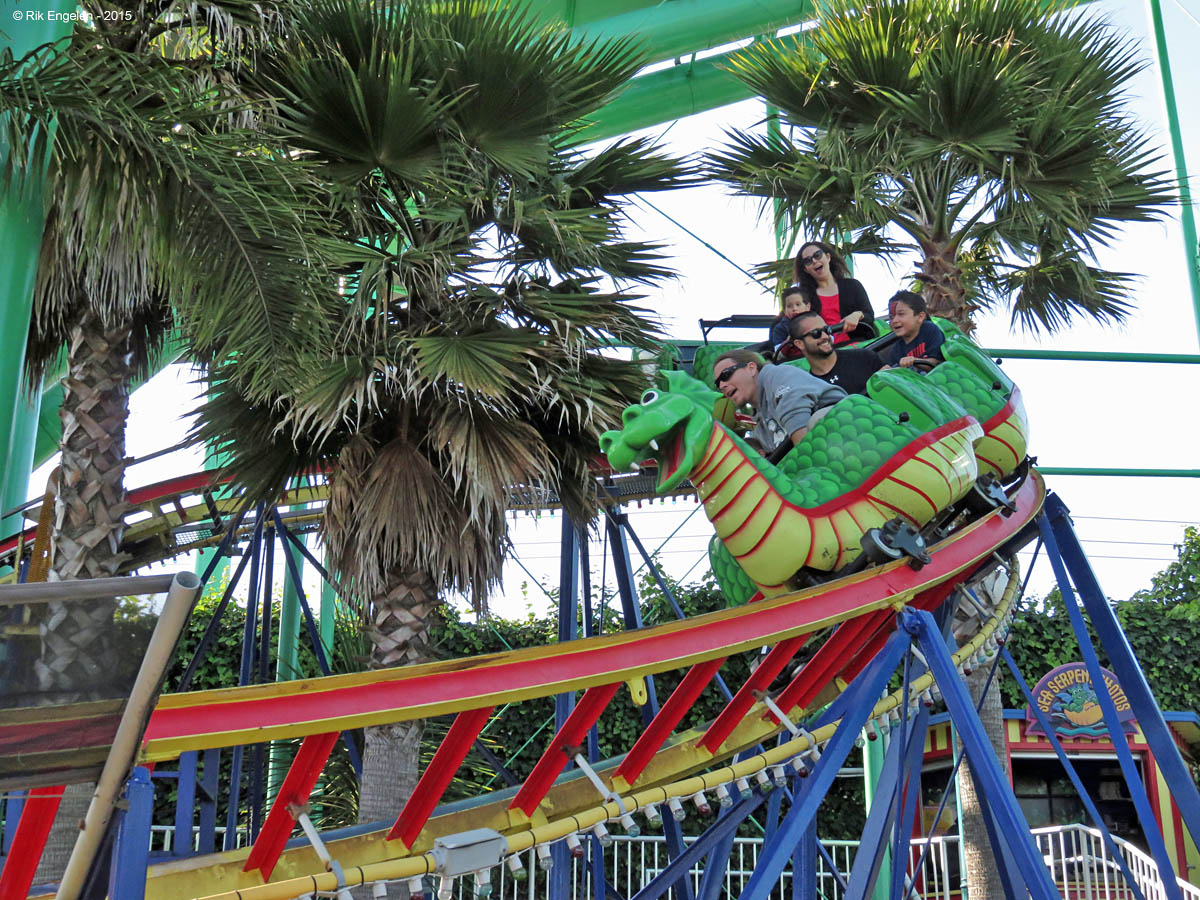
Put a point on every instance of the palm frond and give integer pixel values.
(959, 122)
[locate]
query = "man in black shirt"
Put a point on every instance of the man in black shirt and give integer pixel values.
(848, 369)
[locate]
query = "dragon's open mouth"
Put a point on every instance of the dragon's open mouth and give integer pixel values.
(668, 467)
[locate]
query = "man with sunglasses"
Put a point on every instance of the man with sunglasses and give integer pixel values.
(848, 368)
(787, 400)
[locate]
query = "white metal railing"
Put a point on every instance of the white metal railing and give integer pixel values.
(162, 838)
(1077, 857)
(631, 863)
(1082, 867)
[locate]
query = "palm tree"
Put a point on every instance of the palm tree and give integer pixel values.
(988, 135)
(468, 357)
(991, 137)
(157, 198)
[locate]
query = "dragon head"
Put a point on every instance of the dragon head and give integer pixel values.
(671, 426)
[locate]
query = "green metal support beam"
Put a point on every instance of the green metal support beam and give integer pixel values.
(1187, 217)
(669, 29)
(21, 236)
(681, 27)
(1189, 359)
(666, 95)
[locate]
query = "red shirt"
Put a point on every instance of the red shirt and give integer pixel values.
(832, 314)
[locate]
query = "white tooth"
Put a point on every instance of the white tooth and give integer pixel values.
(654, 446)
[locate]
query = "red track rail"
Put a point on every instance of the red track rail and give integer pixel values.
(297, 708)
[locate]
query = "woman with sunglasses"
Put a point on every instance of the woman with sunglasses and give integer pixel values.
(825, 281)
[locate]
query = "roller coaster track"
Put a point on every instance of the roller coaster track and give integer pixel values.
(192, 512)
(663, 763)
(187, 513)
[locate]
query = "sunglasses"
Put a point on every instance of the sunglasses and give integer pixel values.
(727, 373)
(815, 256)
(816, 333)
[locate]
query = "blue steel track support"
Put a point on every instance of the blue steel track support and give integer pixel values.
(259, 751)
(1126, 667)
(600, 886)
(774, 808)
(617, 524)
(908, 796)
(858, 700)
(881, 819)
(1058, 536)
(622, 522)
(1007, 827)
(185, 804)
(290, 541)
(717, 862)
(244, 674)
(208, 785)
(1069, 768)
(568, 630)
(804, 865)
(713, 837)
(131, 850)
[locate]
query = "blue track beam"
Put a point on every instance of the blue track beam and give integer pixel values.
(568, 630)
(288, 541)
(712, 880)
(679, 867)
(1069, 768)
(1008, 825)
(1052, 531)
(874, 842)
(1125, 666)
(859, 701)
(131, 850)
(804, 865)
(616, 525)
(910, 797)
(902, 760)
(185, 803)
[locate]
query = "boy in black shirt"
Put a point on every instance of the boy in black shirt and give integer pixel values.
(849, 369)
(920, 340)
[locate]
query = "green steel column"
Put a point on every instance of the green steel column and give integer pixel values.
(289, 620)
(287, 661)
(21, 237)
(956, 744)
(329, 606)
(1187, 218)
(19, 461)
(212, 462)
(873, 753)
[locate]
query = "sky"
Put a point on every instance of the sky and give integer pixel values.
(1081, 414)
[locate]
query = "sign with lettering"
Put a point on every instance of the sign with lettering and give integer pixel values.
(1068, 698)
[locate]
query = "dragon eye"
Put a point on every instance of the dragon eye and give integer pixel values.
(649, 397)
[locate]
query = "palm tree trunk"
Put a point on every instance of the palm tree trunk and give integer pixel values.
(78, 639)
(944, 293)
(981, 870)
(89, 510)
(399, 635)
